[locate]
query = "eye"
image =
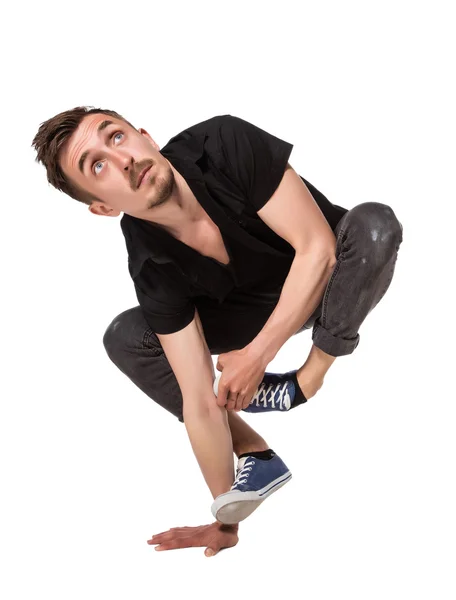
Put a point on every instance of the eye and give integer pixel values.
(115, 134)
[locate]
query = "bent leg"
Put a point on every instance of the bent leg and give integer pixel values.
(137, 352)
(368, 240)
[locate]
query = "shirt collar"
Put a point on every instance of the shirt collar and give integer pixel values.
(184, 150)
(145, 239)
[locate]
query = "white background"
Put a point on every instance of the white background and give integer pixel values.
(91, 467)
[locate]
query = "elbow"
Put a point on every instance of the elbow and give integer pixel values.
(202, 402)
(332, 261)
(326, 255)
(195, 409)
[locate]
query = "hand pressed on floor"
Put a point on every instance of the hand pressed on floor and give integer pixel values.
(215, 537)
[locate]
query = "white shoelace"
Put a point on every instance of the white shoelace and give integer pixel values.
(283, 399)
(242, 473)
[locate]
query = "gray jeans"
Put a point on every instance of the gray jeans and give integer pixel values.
(368, 240)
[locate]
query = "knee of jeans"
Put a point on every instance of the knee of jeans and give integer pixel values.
(383, 228)
(127, 330)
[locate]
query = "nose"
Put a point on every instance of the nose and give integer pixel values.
(127, 164)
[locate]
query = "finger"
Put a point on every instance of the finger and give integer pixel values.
(231, 398)
(168, 535)
(210, 552)
(162, 533)
(165, 546)
(222, 393)
(156, 539)
(184, 537)
(160, 537)
(189, 542)
(231, 404)
(220, 402)
(246, 401)
(240, 402)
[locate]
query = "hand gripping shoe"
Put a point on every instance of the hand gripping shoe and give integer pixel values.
(277, 391)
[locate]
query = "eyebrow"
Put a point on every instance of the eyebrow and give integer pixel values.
(85, 154)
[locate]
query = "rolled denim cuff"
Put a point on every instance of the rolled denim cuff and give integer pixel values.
(335, 346)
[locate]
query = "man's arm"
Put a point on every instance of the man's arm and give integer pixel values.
(301, 293)
(293, 214)
(206, 422)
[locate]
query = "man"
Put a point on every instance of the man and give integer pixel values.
(231, 252)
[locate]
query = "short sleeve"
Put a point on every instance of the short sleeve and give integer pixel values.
(165, 307)
(253, 158)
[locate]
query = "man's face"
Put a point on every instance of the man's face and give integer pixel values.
(117, 153)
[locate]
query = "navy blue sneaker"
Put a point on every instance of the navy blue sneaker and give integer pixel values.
(256, 479)
(277, 391)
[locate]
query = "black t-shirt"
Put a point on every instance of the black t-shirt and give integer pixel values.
(233, 168)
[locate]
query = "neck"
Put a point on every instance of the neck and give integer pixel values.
(181, 210)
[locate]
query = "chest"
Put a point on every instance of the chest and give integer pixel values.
(206, 239)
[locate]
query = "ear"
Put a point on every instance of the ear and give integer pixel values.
(143, 132)
(104, 210)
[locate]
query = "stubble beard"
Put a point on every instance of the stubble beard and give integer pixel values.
(164, 186)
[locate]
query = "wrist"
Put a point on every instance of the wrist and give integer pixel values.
(262, 351)
(231, 527)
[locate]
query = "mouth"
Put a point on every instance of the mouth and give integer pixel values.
(142, 175)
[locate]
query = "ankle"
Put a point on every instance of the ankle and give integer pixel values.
(254, 447)
(310, 376)
(309, 384)
(316, 366)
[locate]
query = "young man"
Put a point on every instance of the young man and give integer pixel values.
(231, 252)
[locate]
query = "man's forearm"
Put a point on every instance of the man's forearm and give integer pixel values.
(301, 294)
(210, 438)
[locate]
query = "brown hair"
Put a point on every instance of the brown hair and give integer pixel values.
(52, 135)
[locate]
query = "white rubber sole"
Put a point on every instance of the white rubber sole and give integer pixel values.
(235, 506)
